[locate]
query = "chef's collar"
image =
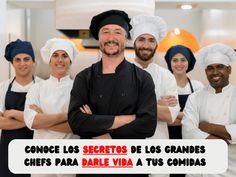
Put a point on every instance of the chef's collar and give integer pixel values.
(63, 79)
(213, 90)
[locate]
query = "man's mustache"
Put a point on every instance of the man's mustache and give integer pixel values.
(111, 42)
(148, 49)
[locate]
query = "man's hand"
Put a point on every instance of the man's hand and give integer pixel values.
(122, 120)
(36, 108)
(85, 109)
(216, 137)
(9, 113)
(105, 136)
(168, 101)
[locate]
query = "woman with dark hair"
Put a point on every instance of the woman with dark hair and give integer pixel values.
(180, 60)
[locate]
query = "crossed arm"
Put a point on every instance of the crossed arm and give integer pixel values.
(35, 118)
(196, 127)
(93, 125)
(11, 120)
(215, 130)
(164, 113)
(55, 122)
(119, 121)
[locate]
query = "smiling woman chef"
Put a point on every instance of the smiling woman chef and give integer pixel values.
(47, 102)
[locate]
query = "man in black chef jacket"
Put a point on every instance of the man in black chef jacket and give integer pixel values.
(113, 98)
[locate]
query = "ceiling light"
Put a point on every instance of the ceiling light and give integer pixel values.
(186, 6)
(177, 31)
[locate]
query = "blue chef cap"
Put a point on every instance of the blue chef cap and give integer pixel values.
(184, 51)
(16, 47)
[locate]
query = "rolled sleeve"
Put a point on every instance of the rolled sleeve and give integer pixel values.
(171, 89)
(29, 116)
(174, 111)
(190, 120)
(231, 129)
(32, 97)
(3, 90)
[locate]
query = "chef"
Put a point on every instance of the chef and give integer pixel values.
(113, 98)
(146, 34)
(214, 117)
(180, 60)
(113, 86)
(47, 102)
(12, 99)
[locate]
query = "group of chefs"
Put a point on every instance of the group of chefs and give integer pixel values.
(116, 99)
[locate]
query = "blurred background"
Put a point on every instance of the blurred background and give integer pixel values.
(191, 23)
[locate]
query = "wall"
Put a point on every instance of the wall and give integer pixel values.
(4, 67)
(188, 20)
(16, 27)
(42, 28)
(218, 26)
(15, 22)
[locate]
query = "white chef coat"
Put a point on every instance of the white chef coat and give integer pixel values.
(214, 108)
(197, 85)
(165, 84)
(52, 96)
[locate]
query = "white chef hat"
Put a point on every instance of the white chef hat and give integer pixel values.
(216, 53)
(55, 44)
(148, 24)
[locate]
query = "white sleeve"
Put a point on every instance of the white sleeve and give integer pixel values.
(190, 120)
(231, 129)
(171, 89)
(32, 97)
(231, 126)
(3, 90)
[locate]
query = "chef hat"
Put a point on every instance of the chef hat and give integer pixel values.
(116, 17)
(184, 51)
(17, 47)
(147, 24)
(55, 44)
(216, 53)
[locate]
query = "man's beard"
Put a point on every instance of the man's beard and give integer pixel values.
(115, 53)
(144, 57)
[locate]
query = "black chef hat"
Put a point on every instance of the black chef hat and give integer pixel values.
(16, 47)
(116, 17)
